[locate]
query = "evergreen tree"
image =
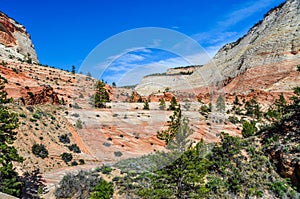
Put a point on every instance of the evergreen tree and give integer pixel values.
(73, 69)
(9, 180)
(174, 124)
(162, 104)
(176, 136)
(220, 104)
(173, 104)
(253, 108)
(276, 111)
(280, 105)
(140, 100)
(249, 128)
(183, 178)
(180, 142)
(101, 97)
(146, 105)
(236, 101)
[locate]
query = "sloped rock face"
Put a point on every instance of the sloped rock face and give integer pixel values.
(273, 40)
(15, 42)
(271, 48)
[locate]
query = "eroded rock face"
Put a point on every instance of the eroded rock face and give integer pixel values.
(135, 97)
(44, 96)
(273, 40)
(271, 48)
(15, 42)
(287, 167)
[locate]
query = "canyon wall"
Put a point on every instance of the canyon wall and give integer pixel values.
(15, 41)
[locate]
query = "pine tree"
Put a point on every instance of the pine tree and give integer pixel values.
(220, 104)
(280, 104)
(101, 97)
(183, 178)
(253, 108)
(146, 105)
(162, 104)
(174, 124)
(236, 101)
(180, 141)
(249, 128)
(73, 69)
(176, 136)
(9, 180)
(173, 104)
(140, 100)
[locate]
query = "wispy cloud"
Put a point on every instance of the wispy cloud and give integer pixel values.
(217, 37)
(245, 11)
(128, 72)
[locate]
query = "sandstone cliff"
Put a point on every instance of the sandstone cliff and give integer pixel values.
(262, 59)
(15, 42)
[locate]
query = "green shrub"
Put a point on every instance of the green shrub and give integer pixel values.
(39, 150)
(80, 185)
(81, 161)
(78, 124)
(118, 153)
(279, 188)
(106, 170)
(36, 116)
(66, 157)
(33, 120)
(76, 106)
(204, 109)
(74, 148)
(233, 119)
(249, 128)
(64, 139)
(103, 190)
(74, 163)
(107, 144)
(146, 105)
(22, 115)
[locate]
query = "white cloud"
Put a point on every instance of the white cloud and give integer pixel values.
(135, 72)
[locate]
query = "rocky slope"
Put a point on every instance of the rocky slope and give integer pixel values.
(15, 42)
(272, 44)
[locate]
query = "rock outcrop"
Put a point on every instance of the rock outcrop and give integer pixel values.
(15, 42)
(44, 96)
(271, 48)
(183, 70)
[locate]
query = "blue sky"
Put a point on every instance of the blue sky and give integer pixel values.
(65, 32)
